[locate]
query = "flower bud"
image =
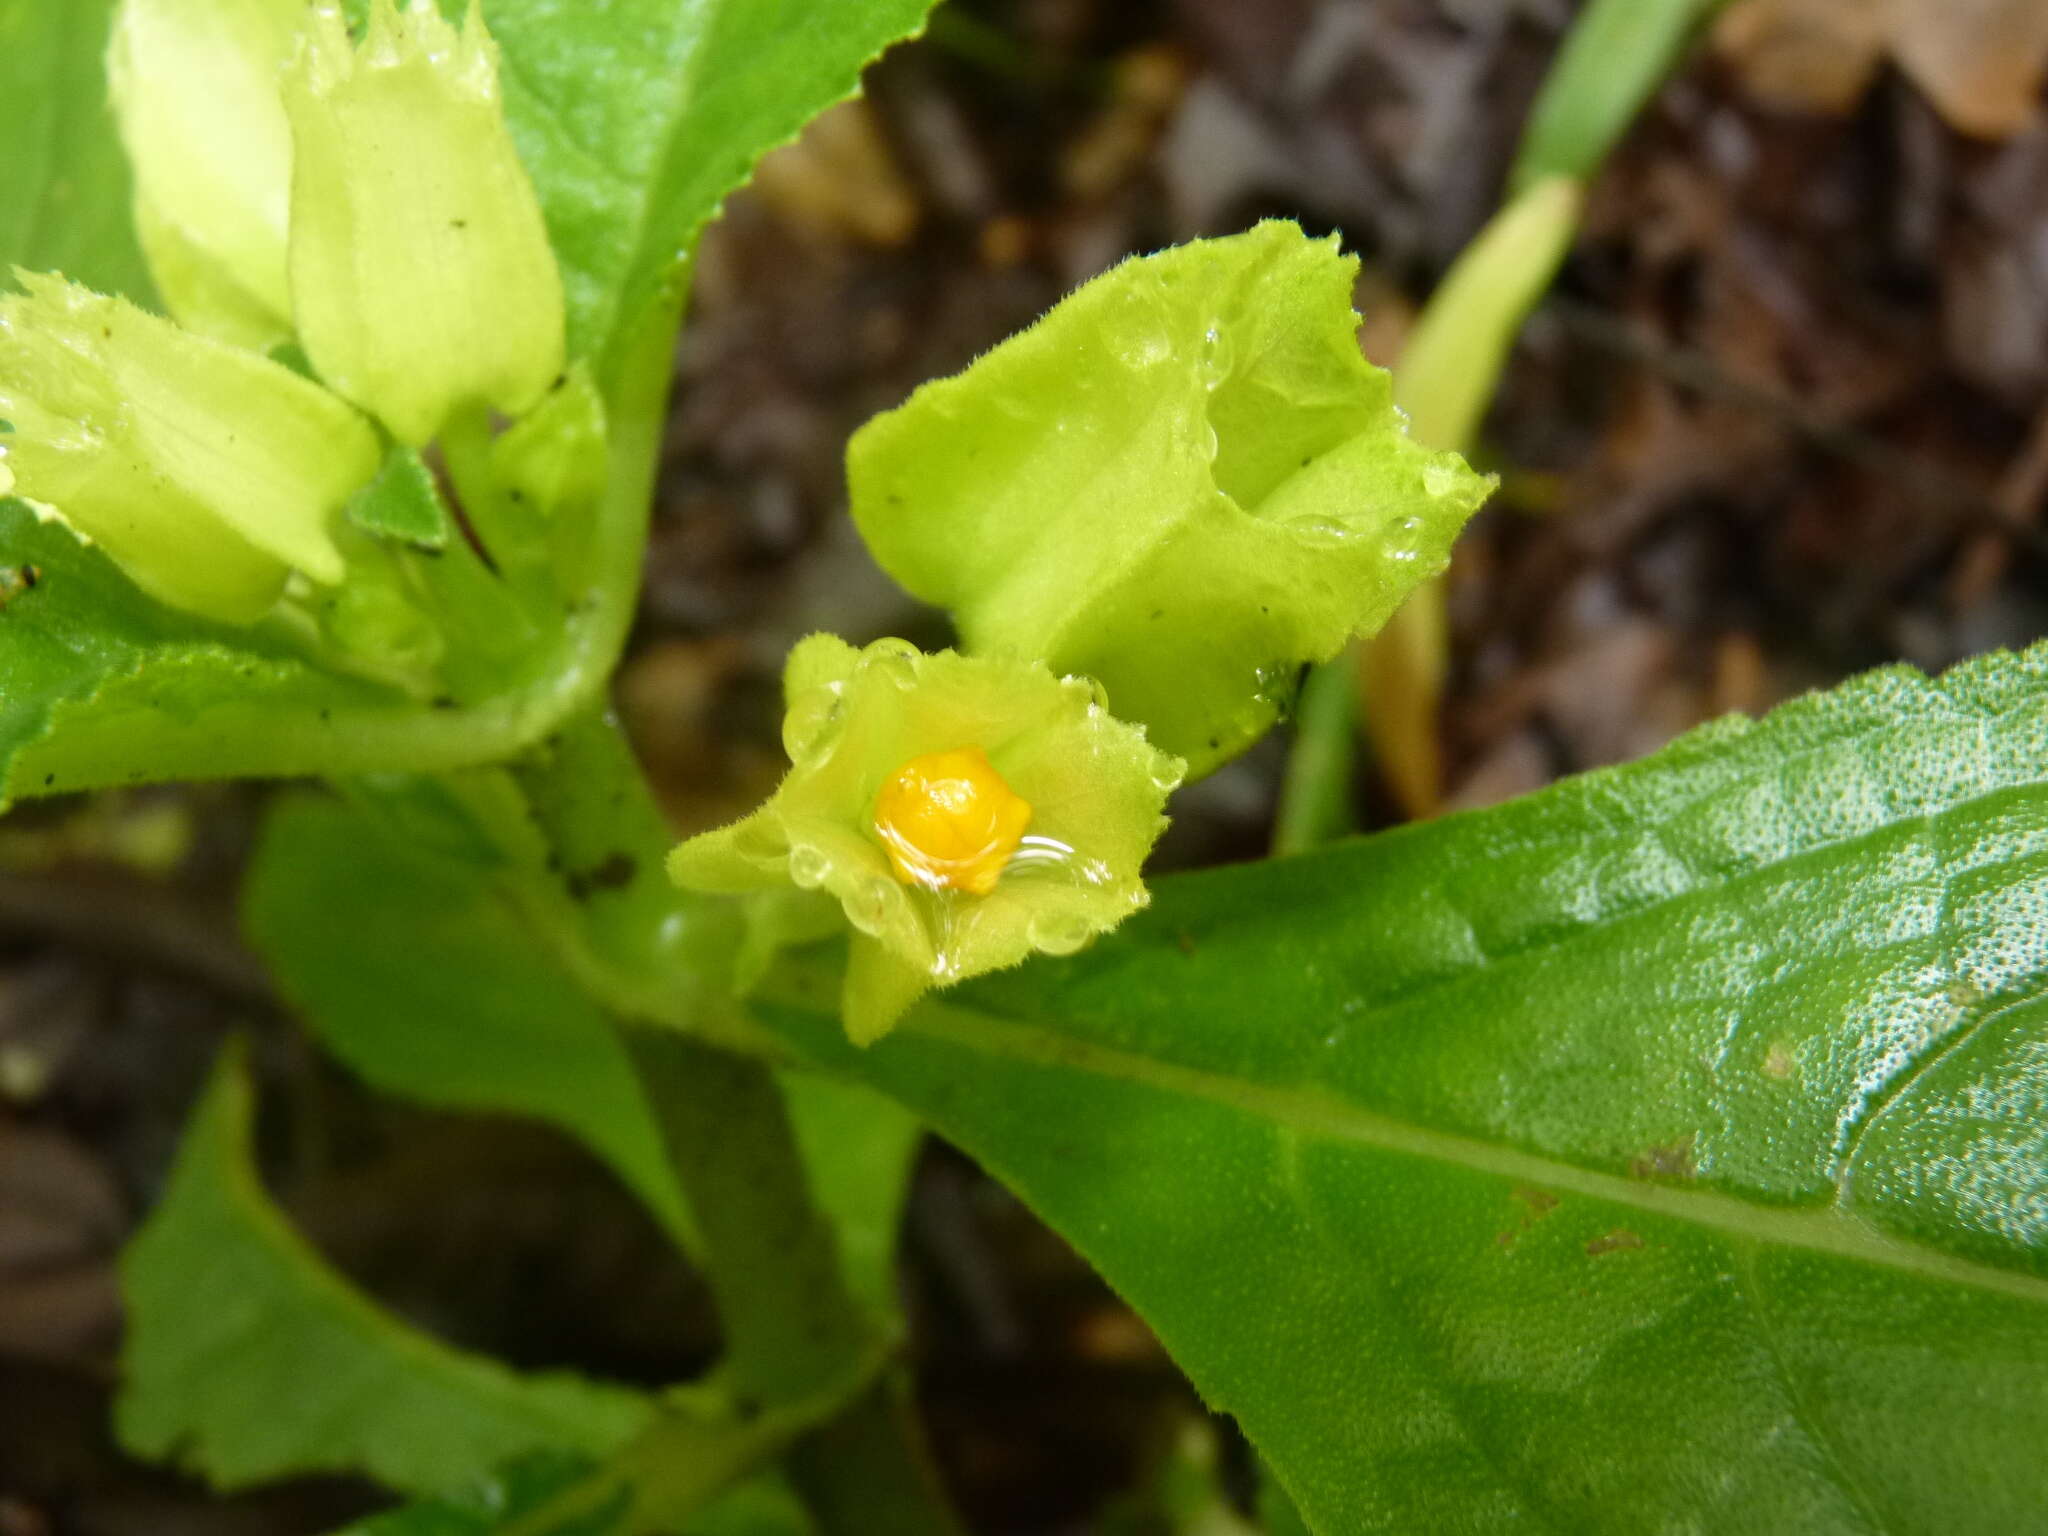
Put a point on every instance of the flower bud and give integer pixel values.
(207, 473)
(422, 279)
(963, 813)
(195, 92)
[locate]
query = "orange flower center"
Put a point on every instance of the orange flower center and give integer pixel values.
(949, 822)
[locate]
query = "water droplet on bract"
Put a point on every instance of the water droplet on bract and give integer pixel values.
(1059, 933)
(1217, 355)
(869, 909)
(808, 866)
(811, 723)
(1085, 690)
(1440, 479)
(1038, 855)
(895, 660)
(1167, 776)
(1317, 530)
(1402, 539)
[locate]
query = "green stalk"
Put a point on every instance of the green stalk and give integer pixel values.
(1618, 53)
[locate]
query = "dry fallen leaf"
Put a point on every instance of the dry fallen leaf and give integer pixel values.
(1981, 62)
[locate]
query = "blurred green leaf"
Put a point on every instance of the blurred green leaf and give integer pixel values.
(63, 180)
(248, 1358)
(503, 1500)
(1185, 482)
(1617, 55)
(1662, 1151)
(859, 1147)
(344, 908)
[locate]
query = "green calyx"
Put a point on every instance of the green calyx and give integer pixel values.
(1094, 786)
(1185, 481)
(421, 276)
(209, 474)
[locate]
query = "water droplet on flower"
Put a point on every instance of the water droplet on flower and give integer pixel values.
(811, 723)
(1317, 530)
(895, 660)
(1059, 933)
(1168, 775)
(1217, 355)
(868, 910)
(1440, 479)
(808, 866)
(1085, 690)
(1402, 539)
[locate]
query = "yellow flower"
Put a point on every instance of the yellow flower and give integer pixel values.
(963, 812)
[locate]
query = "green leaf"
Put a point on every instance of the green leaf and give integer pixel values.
(503, 1500)
(63, 180)
(402, 502)
(1185, 481)
(693, 94)
(247, 1358)
(342, 899)
(1663, 1151)
(104, 685)
(859, 1147)
(343, 905)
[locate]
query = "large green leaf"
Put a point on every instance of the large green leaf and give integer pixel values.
(63, 179)
(636, 117)
(248, 1358)
(1665, 1151)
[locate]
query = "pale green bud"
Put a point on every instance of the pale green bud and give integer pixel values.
(422, 280)
(195, 91)
(207, 473)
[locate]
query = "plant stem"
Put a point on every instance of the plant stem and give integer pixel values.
(1315, 795)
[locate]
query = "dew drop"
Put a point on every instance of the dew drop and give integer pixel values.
(1085, 690)
(811, 723)
(1317, 530)
(1402, 539)
(1439, 479)
(869, 909)
(808, 866)
(895, 660)
(1059, 933)
(1217, 355)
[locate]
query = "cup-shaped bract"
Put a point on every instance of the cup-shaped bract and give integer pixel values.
(1185, 481)
(422, 280)
(195, 91)
(1026, 767)
(205, 472)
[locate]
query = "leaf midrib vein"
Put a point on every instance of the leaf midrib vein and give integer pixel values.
(1311, 1112)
